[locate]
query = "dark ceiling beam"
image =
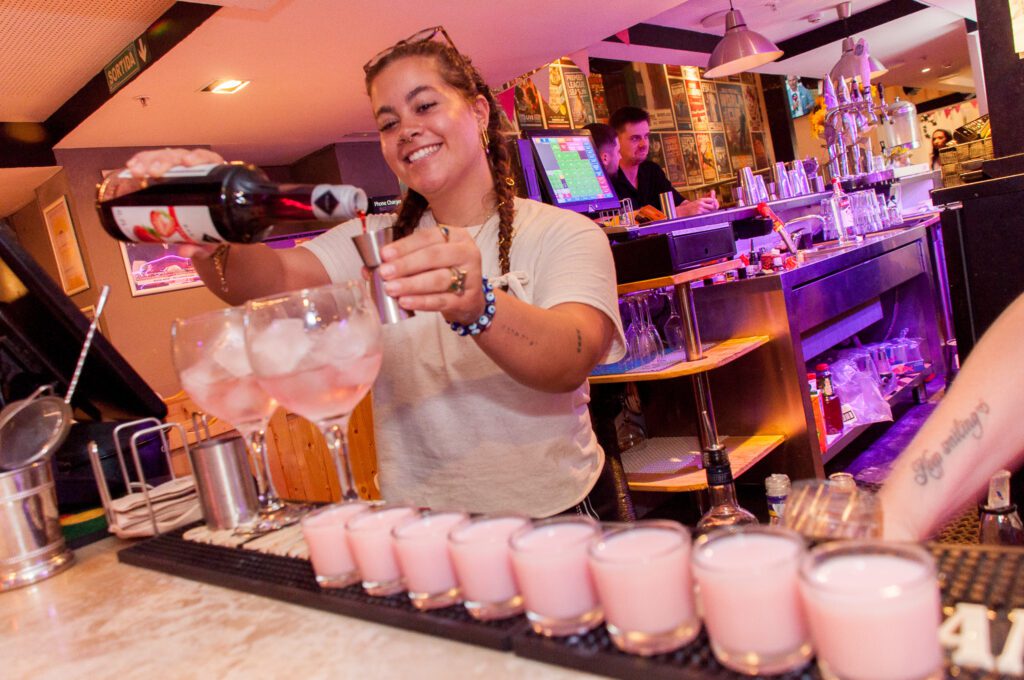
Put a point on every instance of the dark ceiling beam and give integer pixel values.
(857, 23)
(666, 37)
(161, 37)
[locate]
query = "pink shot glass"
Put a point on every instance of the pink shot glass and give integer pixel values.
(551, 566)
(324, 531)
(421, 545)
(483, 565)
(369, 536)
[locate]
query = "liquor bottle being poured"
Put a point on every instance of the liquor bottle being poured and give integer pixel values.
(1000, 523)
(216, 203)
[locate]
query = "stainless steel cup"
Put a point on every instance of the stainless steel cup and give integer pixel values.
(668, 204)
(369, 244)
(227, 491)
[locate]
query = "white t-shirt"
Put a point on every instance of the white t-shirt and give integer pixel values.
(453, 429)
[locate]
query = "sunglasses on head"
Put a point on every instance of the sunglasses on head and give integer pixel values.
(426, 35)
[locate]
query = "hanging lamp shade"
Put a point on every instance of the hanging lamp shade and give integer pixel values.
(740, 49)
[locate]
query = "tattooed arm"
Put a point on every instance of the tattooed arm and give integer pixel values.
(977, 429)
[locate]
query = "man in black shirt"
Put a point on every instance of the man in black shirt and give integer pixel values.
(640, 179)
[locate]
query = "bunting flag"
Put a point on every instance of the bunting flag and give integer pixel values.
(623, 35)
(582, 60)
(542, 79)
(507, 102)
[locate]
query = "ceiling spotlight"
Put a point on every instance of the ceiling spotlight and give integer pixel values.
(226, 86)
(740, 49)
(926, 69)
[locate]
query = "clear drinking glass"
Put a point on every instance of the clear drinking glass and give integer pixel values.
(675, 339)
(318, 351)
(874, 610)
(551, 567)
(822, 510)
(481, 555)
(654, 339)
(209, 355)
(421, 546)
(749, 597)
(642, 575)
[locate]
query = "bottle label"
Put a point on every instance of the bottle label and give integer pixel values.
(776, 506)
(332, 202)
(166, 224)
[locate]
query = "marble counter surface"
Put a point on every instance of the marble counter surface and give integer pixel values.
(103, 619)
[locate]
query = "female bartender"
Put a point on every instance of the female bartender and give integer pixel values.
(495, 421)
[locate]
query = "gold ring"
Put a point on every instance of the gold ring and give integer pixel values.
(458, 283)
(445, 232)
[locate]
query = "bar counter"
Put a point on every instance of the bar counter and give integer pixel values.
(103, 619)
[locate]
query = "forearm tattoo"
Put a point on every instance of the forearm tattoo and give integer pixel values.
(530, 342)
(579, 342)
(928, 465)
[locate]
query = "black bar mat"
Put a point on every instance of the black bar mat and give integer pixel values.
(292, 580)
(990, 576)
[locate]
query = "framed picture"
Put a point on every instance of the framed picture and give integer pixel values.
(156, 268)
(70, 266)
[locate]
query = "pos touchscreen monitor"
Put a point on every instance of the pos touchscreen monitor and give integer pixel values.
(571, 172)
(41, 336)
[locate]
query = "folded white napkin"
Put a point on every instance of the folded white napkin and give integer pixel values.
(174, 504)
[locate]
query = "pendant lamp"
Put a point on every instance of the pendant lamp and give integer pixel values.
(740, 49)
(856, 59)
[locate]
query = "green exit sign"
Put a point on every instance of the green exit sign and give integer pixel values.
(126, 65)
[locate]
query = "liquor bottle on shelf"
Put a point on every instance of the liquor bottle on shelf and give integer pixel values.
(831, 404)
(777, 490)
(1000, 524)
(819, 411)
(216, 203)
(724, 509)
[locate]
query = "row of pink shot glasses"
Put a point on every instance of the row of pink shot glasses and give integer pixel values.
(869, 609)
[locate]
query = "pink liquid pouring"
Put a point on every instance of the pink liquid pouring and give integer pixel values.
(327, 391)
(235, 400)
(480, 554)
(874, 616)
(551, 567)
(643, 580)
(324, 531)
(369, 536)
(422, 549)
(749, 593)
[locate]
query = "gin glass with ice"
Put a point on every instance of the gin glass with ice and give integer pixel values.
(209, 354)
(318, 351)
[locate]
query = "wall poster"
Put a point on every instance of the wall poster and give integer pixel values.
(760, 151)
(707, 157)
(659, 100)
(529, 107)
(656, 154)
(695, 101)
(691, 159)
(66, 251)
(722, 164)
(581, 107)
(557, 113)
(711, 104)
(596, 83)
(753, 109)
(673, 154)
(734, 118)
(677, 90)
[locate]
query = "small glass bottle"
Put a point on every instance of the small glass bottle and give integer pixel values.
(777, 490)
(1000, 523)
(724, 510)
(831, 404)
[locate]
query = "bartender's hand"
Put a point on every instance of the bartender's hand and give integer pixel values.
(422, 269)
(698, 206)
(156, 163)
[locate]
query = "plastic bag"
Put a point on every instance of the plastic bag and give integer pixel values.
(859, 392)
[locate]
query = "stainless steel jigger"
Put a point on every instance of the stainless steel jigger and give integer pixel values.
(369, 244)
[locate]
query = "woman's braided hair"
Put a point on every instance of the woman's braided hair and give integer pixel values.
(459, 72)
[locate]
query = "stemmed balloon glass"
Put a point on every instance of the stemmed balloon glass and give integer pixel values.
(318, 351)
(209, 354)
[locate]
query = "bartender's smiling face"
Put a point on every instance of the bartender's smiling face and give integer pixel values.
(429, 131)
(634, 140)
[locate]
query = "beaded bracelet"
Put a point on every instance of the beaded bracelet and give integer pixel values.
(484, 322)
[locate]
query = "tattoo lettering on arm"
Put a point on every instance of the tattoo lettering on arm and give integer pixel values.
(929, 465)
(579, 342)
(530, 342)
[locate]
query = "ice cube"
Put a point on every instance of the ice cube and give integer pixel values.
(349, 339)
(280, 347)
(229, 352)
(199, 378)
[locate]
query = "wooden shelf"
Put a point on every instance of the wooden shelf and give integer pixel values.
(905, 385)
(716, 356)
(673, 464)
(688, 276)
